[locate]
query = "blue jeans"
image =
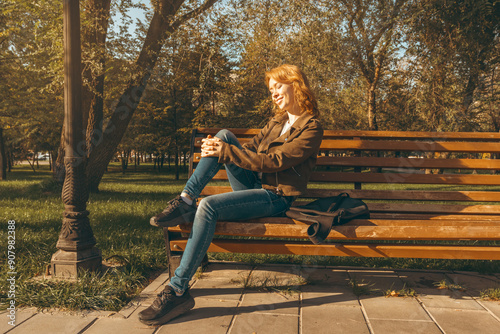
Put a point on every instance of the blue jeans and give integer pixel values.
(248, 200)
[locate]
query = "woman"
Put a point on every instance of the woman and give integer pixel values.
(266, 175)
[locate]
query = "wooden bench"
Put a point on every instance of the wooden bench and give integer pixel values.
(430, 194)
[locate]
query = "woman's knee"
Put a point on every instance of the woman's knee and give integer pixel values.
(205, 209)
(226, 136)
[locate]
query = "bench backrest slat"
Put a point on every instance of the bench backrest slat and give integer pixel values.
(354, 158)
(407, 178)
(418, 135)
(411, 163)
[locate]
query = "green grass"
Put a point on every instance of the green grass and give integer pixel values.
(491, 294)
(119, 217)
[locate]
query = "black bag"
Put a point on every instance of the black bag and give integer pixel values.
(326, 212)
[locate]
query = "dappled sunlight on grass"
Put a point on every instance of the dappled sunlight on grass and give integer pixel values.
(119, 216)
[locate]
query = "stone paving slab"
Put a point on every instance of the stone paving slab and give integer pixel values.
(53, 324)
(393, 308)
(221, 282)
(465, 321)
(115, 325)
(330, 318)
(404, 327)
(474, 283)
(335, 294)
(421, 280)
(326, 276)
(265, 323)
(451, 300)
(379, 280)
(20, 317)
(208, 316)
(270, 302)
(286, 276)
(492, 306)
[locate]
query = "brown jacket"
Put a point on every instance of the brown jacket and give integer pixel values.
(286, 161)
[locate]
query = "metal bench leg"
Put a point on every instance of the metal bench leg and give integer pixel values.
(173, 257)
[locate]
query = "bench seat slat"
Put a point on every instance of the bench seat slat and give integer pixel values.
(361, 229)
(430, 216)
(346, 249)
(434, 208)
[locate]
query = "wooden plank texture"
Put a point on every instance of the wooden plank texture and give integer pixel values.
(396, 215)
(479, 136)
(409, 163)
(417, 146)
(393, 145)
(417, 195)
(345, 249)
(362, 229)
(404, 178)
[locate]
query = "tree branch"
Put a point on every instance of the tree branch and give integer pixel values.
(195, 12)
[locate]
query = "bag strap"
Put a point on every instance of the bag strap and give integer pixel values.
(320, 229)
(335, 205)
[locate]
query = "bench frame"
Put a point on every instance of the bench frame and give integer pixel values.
(406, 220)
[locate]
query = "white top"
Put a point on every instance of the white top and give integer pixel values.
(286, 127)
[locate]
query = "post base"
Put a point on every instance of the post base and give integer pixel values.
(67, 264)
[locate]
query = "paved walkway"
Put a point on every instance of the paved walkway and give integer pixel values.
(238, 298)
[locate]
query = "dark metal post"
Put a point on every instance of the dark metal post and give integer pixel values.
(76, 242)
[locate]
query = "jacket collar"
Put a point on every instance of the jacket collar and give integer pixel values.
(294, 129)
(300, 122)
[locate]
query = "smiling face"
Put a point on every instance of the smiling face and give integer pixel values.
(283, 96)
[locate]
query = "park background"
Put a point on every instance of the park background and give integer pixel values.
(429, 65)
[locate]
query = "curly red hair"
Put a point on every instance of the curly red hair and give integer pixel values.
(292, 75)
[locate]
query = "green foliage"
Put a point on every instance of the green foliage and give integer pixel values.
(403, 292)
(491, 294)
(412, 65)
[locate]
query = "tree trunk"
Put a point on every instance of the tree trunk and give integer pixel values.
(32, 165)
(3, 158)
(10, 161)
(469, 91)
(124, 161)
(102, 143)
(161, 25)
(372, 110)
(176, 164)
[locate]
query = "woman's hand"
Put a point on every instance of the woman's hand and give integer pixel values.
(210, 147)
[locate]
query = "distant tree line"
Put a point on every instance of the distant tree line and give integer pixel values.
(430, 65)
